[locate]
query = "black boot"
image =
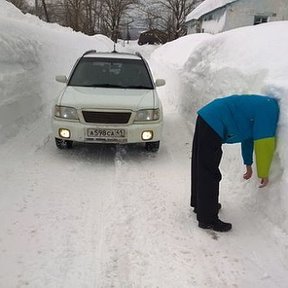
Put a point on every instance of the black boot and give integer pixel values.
(216, 225)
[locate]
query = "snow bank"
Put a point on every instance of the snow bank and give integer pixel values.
(246, 60)
(31, 54)
(168, 60)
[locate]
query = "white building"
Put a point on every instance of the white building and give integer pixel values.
(214, 16)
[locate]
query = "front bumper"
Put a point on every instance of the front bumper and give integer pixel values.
(133, 133)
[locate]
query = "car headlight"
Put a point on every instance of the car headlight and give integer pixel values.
(148, 115)
(65, 112)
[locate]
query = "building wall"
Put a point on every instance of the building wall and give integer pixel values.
(214, 22)
(239, 14)
(243, 12)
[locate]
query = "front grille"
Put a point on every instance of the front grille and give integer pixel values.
(106, 117)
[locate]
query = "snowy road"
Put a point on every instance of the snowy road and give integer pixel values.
(116, 216)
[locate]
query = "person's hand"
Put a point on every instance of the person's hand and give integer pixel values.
(264, 182)
(247, 175)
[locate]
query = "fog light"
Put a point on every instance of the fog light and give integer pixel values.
(147, 135)
(64, 133)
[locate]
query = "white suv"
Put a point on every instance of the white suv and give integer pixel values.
(109, 98)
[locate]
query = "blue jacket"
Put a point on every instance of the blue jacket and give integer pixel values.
(247, 119)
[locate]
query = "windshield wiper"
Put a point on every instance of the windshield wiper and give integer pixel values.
(137, 87)
(106, 85)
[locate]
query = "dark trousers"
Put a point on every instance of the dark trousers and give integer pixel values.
(205, 173)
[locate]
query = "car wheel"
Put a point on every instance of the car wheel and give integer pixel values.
(63, 144)
(152, 146)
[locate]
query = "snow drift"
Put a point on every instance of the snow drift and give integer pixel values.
(27, 57)
(250, 60)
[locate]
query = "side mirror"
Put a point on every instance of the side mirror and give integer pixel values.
(61, 78)
(160, 82)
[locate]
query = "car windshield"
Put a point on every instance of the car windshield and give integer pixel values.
(111, 73)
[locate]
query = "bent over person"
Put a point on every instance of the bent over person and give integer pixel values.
(247, 119)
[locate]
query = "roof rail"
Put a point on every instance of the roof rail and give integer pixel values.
(114, 49)
(139, 54)
(89, 52)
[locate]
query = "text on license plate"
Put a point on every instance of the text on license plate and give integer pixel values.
(106, 133)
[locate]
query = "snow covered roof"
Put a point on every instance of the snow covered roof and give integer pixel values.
(206, 7)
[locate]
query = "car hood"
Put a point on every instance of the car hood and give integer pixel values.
(108, 98)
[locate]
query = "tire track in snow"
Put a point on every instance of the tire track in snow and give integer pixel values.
(142, 223)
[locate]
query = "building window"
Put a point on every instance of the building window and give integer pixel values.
(208, 17)
(260, 19)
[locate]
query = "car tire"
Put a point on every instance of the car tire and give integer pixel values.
(152, 146)
(63, 144)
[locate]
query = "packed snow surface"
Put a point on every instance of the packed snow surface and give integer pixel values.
(117, 216)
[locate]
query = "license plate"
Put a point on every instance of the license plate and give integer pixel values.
(104, 133)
